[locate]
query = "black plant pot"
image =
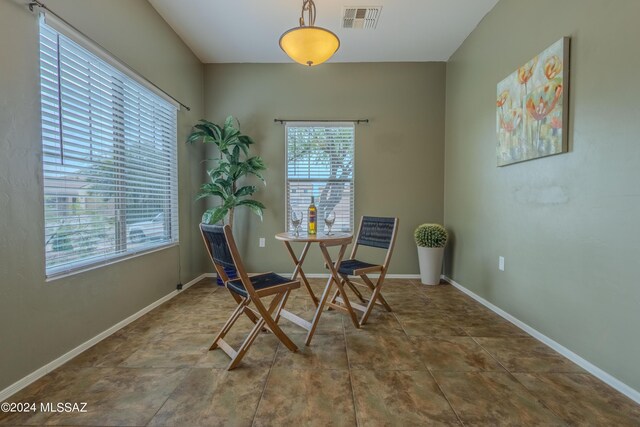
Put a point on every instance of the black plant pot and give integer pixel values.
(231, 274)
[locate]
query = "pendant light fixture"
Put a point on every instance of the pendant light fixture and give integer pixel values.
(308, 44)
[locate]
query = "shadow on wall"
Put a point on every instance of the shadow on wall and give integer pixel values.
(448, 253)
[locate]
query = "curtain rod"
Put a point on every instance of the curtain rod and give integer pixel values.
(37, 3)
(357, 121)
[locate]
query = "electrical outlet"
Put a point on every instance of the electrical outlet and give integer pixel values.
(501, 263)
(262, 242)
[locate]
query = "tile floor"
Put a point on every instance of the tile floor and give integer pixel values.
(439, 359)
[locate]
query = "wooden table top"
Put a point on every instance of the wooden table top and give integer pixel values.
(335, 238)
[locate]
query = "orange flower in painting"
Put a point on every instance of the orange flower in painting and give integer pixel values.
(526, 71)
(511, 120)
(502, 98)
(556, 122)
(547, 101)
(552, 67)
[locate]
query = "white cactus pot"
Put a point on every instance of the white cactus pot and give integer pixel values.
(430, 260)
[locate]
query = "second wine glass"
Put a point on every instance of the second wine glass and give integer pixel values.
(329, 219)
(296, 220)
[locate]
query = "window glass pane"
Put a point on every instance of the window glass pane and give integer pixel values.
(109, 160)
(320, 163)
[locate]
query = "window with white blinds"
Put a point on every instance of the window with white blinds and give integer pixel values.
(109, 160)
(320, 160)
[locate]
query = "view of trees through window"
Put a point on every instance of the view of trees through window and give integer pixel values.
(320, 161)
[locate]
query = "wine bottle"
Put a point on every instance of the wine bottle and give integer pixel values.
(312, 218)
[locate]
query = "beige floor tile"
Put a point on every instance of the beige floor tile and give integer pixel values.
(429, 324)
(110, 352)
(382, 352)
(214, 397)
(380, 321)
(65, 382)
(391, 398)
(417, 305)
(499, 329)
(325, 352)
(119, 396)
(493, 399)
(161, 359)
(526, 355)
(470, 317)
(168, 351)
(454, 354)
(581, 399)
(299, 302)
(306, 398)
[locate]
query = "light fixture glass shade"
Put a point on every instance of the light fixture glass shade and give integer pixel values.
(309, 45)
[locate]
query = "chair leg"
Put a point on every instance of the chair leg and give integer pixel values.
(355, 290)
(246, 344)
(347, 304)
(332, 300)
(285, 297)
(345, 300)
(276, 304)
(229, 323)
(271, 324)
(345, 279)
(239, 299)
(372, 302)
(321, 304)
(371, 286)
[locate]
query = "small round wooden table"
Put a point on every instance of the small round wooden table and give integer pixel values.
(324, 241)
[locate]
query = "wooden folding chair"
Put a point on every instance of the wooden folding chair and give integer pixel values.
(376, 232)
(246, 290)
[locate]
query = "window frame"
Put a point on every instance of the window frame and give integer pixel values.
(351, 181)
(169, 141)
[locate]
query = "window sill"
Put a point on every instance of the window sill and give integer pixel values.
(64, 274)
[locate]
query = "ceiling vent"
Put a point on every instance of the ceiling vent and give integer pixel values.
(361, 17)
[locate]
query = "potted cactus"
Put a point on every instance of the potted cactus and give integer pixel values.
(431, 240)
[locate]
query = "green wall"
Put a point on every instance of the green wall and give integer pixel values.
(399, 153)
(567, 225)
(41, 321)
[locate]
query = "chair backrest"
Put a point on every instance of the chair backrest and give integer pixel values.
(217, 245)
(376, 232)
(224, 252)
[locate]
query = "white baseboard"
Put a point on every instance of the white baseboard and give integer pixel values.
(39, 373)
(585, 364)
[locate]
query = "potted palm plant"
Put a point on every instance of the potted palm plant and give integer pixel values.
(232, 165)
(431, 240)
(226, 177)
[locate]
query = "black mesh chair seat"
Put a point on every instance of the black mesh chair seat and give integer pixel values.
(259, 282)
(350, 266)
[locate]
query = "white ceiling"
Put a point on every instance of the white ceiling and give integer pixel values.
(248, 30)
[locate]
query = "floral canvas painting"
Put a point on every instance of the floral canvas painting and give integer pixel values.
(531, 114)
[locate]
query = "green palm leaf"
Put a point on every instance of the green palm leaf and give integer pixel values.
(215, 215)
(233, 165)
(247, 190)
(255, 206)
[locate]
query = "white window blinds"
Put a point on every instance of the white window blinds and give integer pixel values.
(320, 160)
(109, 160)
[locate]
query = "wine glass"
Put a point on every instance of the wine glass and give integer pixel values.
(296, 220)
(329, 219)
